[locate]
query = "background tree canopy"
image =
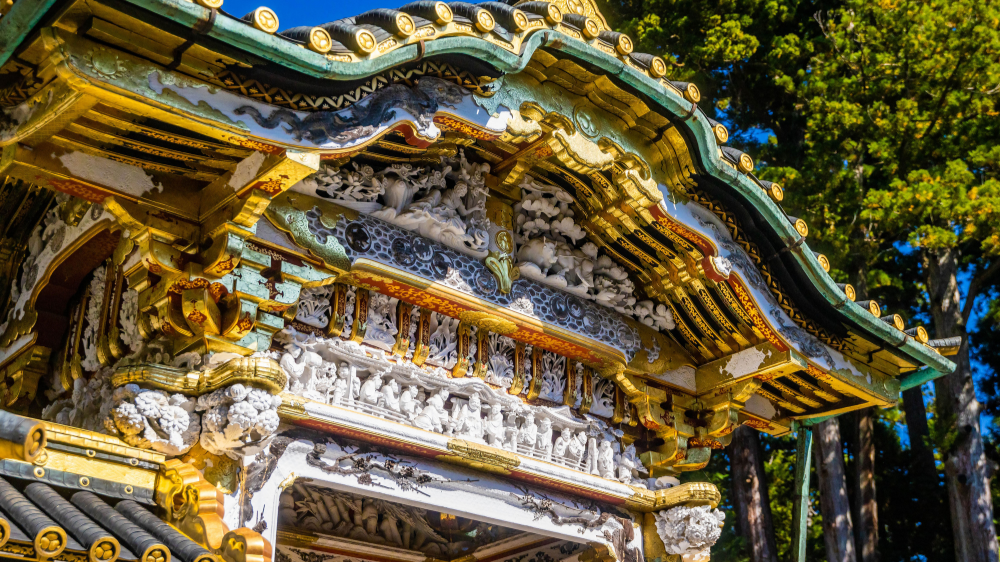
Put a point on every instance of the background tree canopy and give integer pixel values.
(880, 119)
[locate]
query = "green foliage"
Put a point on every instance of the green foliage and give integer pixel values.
(880, 118)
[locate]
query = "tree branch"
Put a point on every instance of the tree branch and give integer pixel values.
(975, 286)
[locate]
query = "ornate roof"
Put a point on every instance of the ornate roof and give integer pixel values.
(213, 140)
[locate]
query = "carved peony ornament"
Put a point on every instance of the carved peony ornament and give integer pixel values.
(689, 530)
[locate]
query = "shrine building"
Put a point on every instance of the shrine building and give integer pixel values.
(450, 282)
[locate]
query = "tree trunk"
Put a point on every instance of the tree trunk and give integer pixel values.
(924, 468)
(750, 497)
(866, 510)
(837, 529)
(967, 470)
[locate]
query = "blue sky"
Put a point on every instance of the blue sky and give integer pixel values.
(309, 12)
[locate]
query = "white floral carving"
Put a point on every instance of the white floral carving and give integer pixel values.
(689, 530)
(128, 318)
(314, 306)
(93, 316)
(553, 377)
(153, 419)
(238, 420)
(500, 371)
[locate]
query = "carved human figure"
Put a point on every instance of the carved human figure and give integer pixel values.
(494, 427)
(342, 386)
(409, 405)
(371, 389)
(511, 431)
(606, 460)
(627, 464)
(468, 420)
(528, 434)
(562, 444)
(390, 395)
(431, 415)
(543, 443)
(300, 365)
(576, 448)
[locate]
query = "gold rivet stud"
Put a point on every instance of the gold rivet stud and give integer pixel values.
(823, 262)
(210, 4)
(801, 227)
(520, 20)
(624, 45)
(658, 68)
(265, 20)
(319, 41)
(721, 133)
(484, 21)
(776, 192)
(39, 472)
(691, 93)
(128, 489)
(365, 41)
(849, 291)
(84, 481)
(443, 12)
(553, 14)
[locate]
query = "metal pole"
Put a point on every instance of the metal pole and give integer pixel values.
(800, 509)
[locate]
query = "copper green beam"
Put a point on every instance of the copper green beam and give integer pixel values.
(800, 509)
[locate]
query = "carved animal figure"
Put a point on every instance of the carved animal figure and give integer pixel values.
(363, 118)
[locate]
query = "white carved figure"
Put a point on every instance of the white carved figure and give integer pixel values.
(153, 419)
(417, 199)
(371, 390)
(576, 449)
(606, 460)
(543, 442)
(562, 443)
(395, 389)
(409, 405)
(88, 406)
(300, 365)
(390, 395)
(467, 420)
(495, 431)
(511, 431)
(342, 388)
(689, 531)
(628, 465)
(528, 435)
(433, 414)
(238, 420)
